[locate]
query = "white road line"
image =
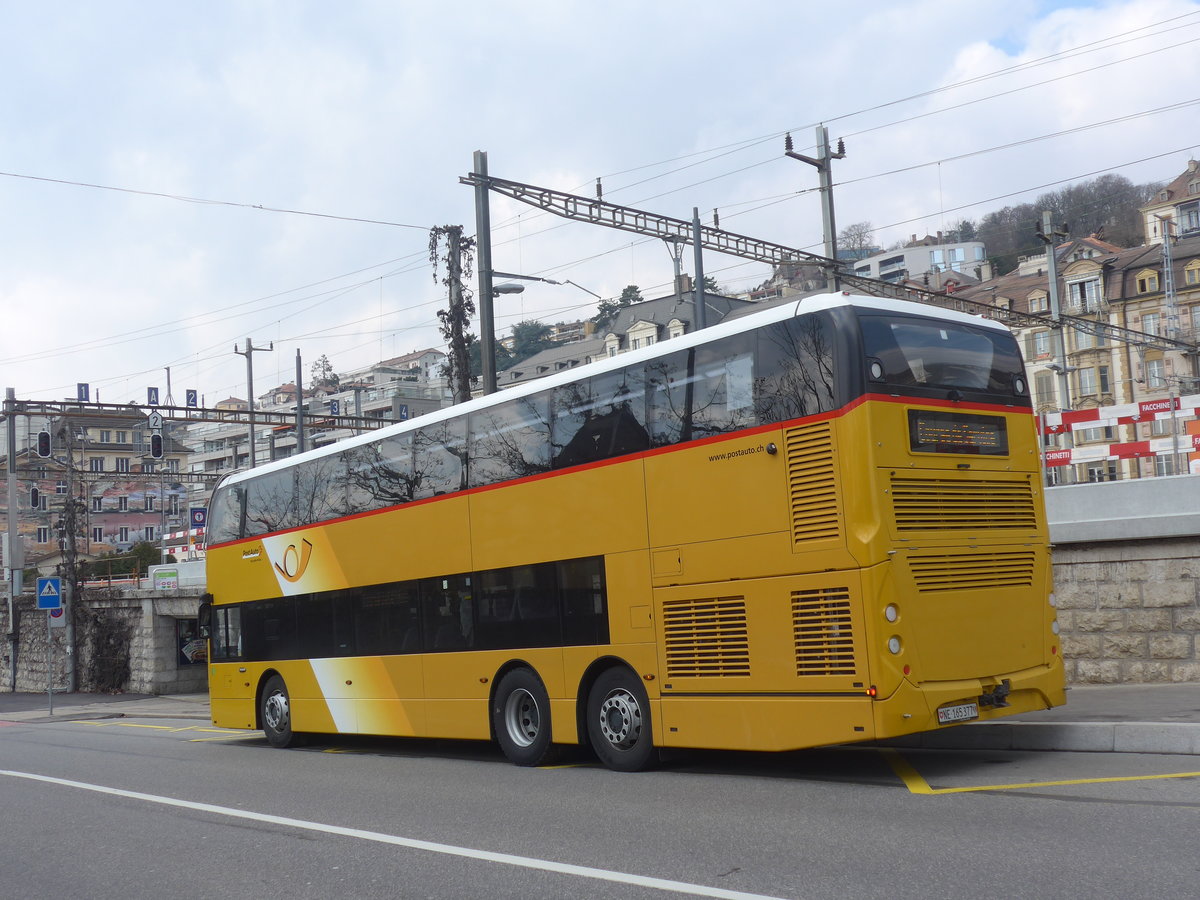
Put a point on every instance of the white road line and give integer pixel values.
(527, 862)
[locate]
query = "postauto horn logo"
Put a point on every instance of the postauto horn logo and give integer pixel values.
(295, 561)
(302, 563)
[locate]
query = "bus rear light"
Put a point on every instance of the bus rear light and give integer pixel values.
(872, 691)
(1053, 650)
(908, 670)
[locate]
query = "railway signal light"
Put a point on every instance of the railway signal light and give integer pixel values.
(156, 446)
(35, 498)
(43, 443)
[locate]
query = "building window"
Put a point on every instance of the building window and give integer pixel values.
(1102, 471)
(123, 464)
(1156, 374)
(1091, 435)
(43, 534)
(1043, 387)
(122, 504)
(1191, 275)
(1152, 323)
(97, 504)
(105, 437)
(148, 533)
(122, 437)
(1087, 381)
(1160, 427)
(97, 534)
(123, 534)
(173, 505)
(1038, 303)
(1039, 344)
(1093, 380)
(1147, 282)
(172, 465)
(60, 487)
(96, 464)
(149, 503)
(1084, 295)
(1162, 464)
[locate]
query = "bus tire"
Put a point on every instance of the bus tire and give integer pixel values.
(521, 718)
(275, 713)
(618, 722)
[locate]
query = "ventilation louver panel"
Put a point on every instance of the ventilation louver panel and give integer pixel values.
(966, 571)
(706, 638)
(823, 631)
(932, 504)
(812, 483)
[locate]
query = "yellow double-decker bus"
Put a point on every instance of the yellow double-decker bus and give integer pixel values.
(818, 523)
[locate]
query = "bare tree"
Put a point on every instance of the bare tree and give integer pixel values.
(857, 239)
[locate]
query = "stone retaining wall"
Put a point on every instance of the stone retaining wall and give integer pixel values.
(125, 641)
(1129, 611)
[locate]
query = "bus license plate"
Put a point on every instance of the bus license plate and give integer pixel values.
(959, 713)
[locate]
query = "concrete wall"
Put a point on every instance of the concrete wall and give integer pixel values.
(145, 621)
(1127, 579)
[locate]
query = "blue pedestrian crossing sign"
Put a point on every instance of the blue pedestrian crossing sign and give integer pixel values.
(49, 593)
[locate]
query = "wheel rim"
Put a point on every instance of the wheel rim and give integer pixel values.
(522, 720)
(621, 719)
(275, 712)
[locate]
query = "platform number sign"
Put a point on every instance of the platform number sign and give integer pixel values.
(193, 398)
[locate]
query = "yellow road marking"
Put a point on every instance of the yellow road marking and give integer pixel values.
(230, 736)
(172, 728)
(918, 785)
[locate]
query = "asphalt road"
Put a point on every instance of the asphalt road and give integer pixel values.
(130, 809)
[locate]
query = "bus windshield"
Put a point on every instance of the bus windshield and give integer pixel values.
(928, 353)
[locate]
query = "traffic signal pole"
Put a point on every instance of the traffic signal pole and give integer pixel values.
(12, 548)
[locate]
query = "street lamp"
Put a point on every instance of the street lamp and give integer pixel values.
(487, 337)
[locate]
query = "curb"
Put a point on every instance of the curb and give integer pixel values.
(1177, 738)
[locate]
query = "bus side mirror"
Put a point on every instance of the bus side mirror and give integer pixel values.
(204, 616)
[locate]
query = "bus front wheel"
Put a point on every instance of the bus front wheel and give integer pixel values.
(275, 713)
(618, 722)
(521, 718)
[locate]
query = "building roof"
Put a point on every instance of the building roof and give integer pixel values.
(1177, 189)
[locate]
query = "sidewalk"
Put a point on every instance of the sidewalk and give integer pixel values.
(28, 707)
(1141, 718)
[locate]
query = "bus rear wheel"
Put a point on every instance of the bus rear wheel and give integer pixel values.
(521, 719)
(275, 713)
(618, 722)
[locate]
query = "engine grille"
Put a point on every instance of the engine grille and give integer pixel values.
(823, 632)
(706, 637)
(812, 483)
(933, 504)
(967, 571)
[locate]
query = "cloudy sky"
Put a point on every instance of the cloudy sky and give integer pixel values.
(178, 177)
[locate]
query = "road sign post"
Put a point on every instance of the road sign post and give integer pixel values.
(49, 598)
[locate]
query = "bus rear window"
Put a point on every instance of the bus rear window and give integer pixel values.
(925, 353)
